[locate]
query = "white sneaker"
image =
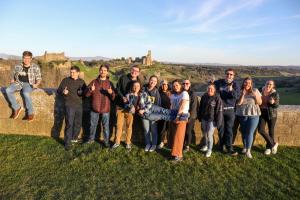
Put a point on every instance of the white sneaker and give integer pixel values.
(153, 147)
(208, 154)
(128, 146)
(248, 154)
(161, 145)
(148, 146)
(115, 146)
(274, 149)
(267, 151)
(204, 149)
(244, 150)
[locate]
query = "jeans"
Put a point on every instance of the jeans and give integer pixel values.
(150, 131)
(94, 124)
(73, 118)
(158, 113)
(26, 91)
(263, 120)
(208, 128)
(248, 126)
(226, 130)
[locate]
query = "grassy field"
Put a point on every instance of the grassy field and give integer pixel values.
(39, 168)
(289, 96)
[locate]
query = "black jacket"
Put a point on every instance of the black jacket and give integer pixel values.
(272, 108)
(193, 104)
(229, 98)
(211, 109)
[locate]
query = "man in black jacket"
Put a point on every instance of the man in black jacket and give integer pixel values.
(123, 87)
(193, 114)
(229, 92)
(71, 88)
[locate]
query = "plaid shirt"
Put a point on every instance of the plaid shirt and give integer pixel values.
(34, 74)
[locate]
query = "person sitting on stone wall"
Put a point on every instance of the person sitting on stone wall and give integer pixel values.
(25, 78)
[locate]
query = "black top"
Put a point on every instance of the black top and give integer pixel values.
(123, 87)
(229, 98)
(165, 100)
(211, 109)
(193, 104)
(23, 76)
(73, 98)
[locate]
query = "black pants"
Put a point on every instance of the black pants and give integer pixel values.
(226, 130)
(263, 120)
(162, 130)
(73, 119)
(189, 132)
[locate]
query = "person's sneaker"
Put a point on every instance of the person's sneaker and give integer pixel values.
(128, 146)
(161, 145)
(115, 146)
(244, 150)
(248, 154)
(30, 118)
(204, 149)
(186, 149)
(274, 148)
(208, 154)
(68, 147)
(90, 141)
(224, 149)
(106, 144)
(267, 152)
(177, 159)
(153, 147)
(74, 141)
(147, 147)
(17, 113)
(233, 153)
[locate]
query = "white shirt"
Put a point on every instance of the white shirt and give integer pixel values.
(177, 98)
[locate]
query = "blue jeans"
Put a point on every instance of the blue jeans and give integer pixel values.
(150, 131)
(73, 123)
(158, 113)
(248, 126)
(26, 91)
(94, 124)
(208, 132)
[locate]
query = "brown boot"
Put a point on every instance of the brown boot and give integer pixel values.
(17, 113)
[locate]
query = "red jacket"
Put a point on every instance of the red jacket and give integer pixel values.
(101, 100)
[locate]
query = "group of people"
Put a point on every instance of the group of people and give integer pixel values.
(167, 111)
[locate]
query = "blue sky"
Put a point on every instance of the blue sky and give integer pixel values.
(264, 32)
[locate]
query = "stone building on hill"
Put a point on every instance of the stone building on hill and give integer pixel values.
(48, 57)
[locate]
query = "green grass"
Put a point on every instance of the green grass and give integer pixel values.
(289, 96)
(39, 168)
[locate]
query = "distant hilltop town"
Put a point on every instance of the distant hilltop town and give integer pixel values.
(48, 57)
(144, 60)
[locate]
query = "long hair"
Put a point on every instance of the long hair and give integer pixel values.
(246, 79)
(176, 81)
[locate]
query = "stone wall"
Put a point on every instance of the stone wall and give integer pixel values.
(49, 120)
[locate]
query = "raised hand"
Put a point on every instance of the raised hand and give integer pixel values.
(272, 100)
(66, 91)
(125, 100)
(93, 86)
(109, 90)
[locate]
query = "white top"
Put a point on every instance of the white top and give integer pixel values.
(176, 99)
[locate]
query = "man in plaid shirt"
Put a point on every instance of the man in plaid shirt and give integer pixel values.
(25, 78)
